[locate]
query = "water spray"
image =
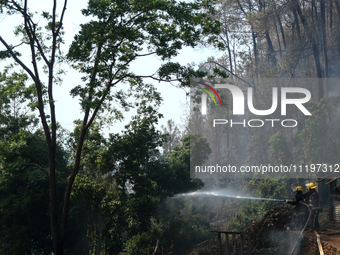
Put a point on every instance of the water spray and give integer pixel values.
(224, 194)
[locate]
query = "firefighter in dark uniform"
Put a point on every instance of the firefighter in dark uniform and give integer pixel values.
(313, 200)
(299, 216)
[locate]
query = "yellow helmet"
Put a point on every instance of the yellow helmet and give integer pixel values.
(311, 185)
(299, 188)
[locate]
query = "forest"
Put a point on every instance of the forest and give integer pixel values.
(80, 192)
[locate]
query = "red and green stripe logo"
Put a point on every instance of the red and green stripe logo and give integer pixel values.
(210, 94)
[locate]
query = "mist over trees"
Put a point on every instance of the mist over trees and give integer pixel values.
(270, 44)
(273, 44)
(280, 38)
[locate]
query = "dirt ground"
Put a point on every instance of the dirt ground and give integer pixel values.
(330, 240)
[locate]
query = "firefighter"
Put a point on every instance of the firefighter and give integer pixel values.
(299, 216)
(313, 200)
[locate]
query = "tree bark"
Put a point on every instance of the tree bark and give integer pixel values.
(324, 35)
(255, 47)
(296, 24)
(253, 34)
(314, 49)
(337, 4)
(338, 8)
(278, 37)
(229, 51)
(330, 14)
(282, 32)
(271, 54)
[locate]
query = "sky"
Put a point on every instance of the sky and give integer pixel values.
(175, 102)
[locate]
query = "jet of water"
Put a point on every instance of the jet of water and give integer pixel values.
(224, 194)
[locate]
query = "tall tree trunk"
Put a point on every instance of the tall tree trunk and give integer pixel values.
(315, 10)
(253, 34)
(229, 51)
(234, 53)
(330, 14)
(271, 54)
(282, 32)
(314, 49)
(255, 47)
(296, 24)
(56, 237)
(337, 4)
(324, 36)
(278, 37)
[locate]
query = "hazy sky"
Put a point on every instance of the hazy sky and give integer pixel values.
(67, 109)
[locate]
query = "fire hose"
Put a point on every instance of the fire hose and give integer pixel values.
(319, 243)
(310, 214)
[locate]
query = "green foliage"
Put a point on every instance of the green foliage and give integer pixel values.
(195, 149)
(279, 149)
(277, 241)
(106, 46)
(118, 185)
(310, 145)
(14, 107)
(24, 195)
(122, 182)
(24, 199)
(184, 224)
(172, 136)
(138, 244)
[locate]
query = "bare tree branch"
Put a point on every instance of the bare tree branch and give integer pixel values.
(37, 166)
(214, 62)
